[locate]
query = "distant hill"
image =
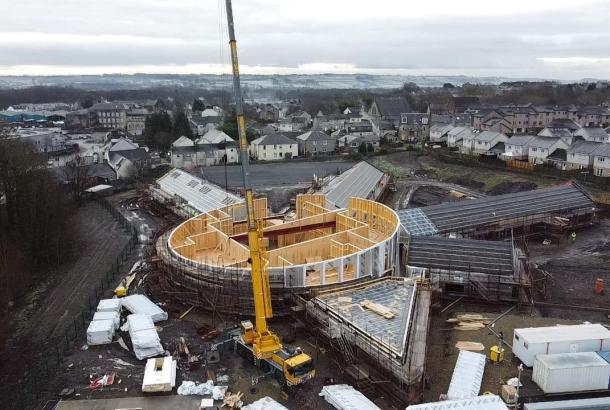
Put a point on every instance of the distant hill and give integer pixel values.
(210, 81)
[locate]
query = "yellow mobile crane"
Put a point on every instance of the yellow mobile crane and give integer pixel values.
(258, 343)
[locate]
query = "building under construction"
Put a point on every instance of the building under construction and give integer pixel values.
(549, 211)
(206, 257)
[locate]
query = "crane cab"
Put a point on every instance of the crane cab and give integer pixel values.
(247, 331)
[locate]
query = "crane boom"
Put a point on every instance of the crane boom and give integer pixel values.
(264, 341)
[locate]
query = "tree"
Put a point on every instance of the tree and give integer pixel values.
(198, 105)
(182, 127)
(78, 174)
(343, 104)
(158, 131)
(410, 88)
(370, 148)
(362, 148)
(448, 86)
(229, 127)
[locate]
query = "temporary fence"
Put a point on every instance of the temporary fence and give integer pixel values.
(33, 389)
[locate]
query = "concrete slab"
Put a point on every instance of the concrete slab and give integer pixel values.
(148, 403)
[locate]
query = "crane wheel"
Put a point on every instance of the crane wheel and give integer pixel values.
(264, 366)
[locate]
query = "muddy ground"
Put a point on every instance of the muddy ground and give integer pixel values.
(51, 308)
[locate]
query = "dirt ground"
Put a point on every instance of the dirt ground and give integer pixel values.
(82, 365)
(442, 353)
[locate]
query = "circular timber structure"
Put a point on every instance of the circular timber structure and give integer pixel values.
(206, 257)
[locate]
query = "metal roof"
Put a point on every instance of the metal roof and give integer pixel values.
(359, 182)
(487, 402)
(571, 360)
(467, 376)
(198, 193)
(471, 214)
(600, 403)
(552, 334)
(491, 257)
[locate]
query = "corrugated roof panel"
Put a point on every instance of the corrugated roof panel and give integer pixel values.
(198, 193)
(359, 182)
(345, 397)
(467, 376)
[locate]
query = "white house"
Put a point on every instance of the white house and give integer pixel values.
(517, 147)
(541, 147)
(581, 154)
(486, 140)
(601, 161)
(438, 132)
(593, 134)
(183, 154)
(467, 146)
(127, 159)
(215, 147)
(273, 147)
(456, 135)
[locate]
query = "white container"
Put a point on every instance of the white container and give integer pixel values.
(532, 341)
(571, 372)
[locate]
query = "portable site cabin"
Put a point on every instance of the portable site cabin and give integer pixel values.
(571, 372)
(532, 341)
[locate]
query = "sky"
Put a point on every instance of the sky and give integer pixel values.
(557, 39)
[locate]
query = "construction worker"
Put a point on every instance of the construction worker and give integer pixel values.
(573, 236)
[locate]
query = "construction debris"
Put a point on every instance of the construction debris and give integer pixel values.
(232, 400)
(470, 346)
(187, 312)
(469, 322)
(189, 388)
(100, 382)
(378, 308)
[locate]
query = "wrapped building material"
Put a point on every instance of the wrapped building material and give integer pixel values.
(467, 376)
(266, 403)
(109, 305)
(159, 375)
(140, 304)
(114, 316)
(486, 402)
(100, 332)
(345, 397)
(144, 337)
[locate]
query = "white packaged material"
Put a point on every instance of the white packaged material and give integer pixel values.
(141, 304)
(100, 332)
(266, 403)
(487, 402)
(345, 397)
(159, 375)
(114, 316)
(109, 305)
(144, 337)
(571, 372)
(467, 376)
(188, 388)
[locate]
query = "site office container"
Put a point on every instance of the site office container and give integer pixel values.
(532, 341)
(571, 372)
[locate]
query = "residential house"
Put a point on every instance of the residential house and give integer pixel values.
(594, 134)
(127, 159)
(540, 148)
(215, 148)
(438, 133)
(268, 112)
(496, 121)
(353, 142)
(383, 129)
(601, 162)
(468, 142)
(329, 122)
(79, 119)
(352, 110)
(201, 125)
(557, 132)
(389, 108)
(315, 143)
(457, 134)
(581, 154)
(517, 147)
(183, 153)
(273, 147)
(44, 140)
(361, 128)
(490, 143)
(414, 126)
(437, 109)
(459, 105)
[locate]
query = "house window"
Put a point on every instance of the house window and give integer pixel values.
(534, 149)
(599, 172)
(601, 159)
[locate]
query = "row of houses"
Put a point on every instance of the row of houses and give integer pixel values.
(583, 149)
